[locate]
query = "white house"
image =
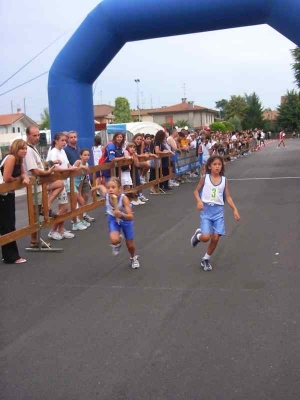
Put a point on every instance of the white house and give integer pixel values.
(13, 126)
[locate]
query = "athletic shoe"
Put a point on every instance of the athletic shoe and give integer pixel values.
(173, 183)
(140, 201)
(85, 223)
(205, 264)
(134, 202)
(143, 198)
(78, 227)
(55, 235)
(87, 218)
(134, 262)
(68, 235)
(194, 240)
(116, 248)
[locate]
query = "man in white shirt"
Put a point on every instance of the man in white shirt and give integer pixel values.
(34, 167)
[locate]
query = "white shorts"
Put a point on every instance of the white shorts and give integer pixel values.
(126, 178)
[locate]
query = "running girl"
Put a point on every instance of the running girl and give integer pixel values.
(210, 194)
(120, 217)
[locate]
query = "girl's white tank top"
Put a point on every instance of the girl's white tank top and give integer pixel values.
(109, 207)
(213, 194)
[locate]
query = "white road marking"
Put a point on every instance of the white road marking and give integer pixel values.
(261, 179)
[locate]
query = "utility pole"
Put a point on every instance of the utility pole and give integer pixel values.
(12, 107)
(24, 105)
(100, 96)
(151, 101)
(184, 91)
(137, 81)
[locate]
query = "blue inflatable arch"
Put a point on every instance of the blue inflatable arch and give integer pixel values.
(114, 22)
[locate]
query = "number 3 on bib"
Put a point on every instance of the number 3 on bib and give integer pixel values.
(213, 193)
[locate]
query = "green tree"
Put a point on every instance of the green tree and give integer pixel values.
(237, 106)
(296, 65)
(289, 112)
(253, 118)
(181, 123)
(236, 122)
(221, 106)
(218, 126)
(45, 118)
(122, 110)
(228, 126)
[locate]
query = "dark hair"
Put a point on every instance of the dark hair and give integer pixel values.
(83, 150)
(57, 136)
(117, 134)
(148, 136)
(211, 160)
(97, 140)
(159, 137)
(116, 180)
(137, 135)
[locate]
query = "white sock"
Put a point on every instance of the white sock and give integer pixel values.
(206, 257)
(199, 237)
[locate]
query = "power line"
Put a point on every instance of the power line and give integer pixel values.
(20, 69)
(22, 84)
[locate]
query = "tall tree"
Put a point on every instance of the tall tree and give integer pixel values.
(236, 122)
(289, 112)
(236, 106)
(253, 118)
(296, 65)
(122, 110)
(221, 106)
(45, 118)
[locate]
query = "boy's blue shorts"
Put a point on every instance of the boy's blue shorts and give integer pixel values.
(126, 226)
(212, 219)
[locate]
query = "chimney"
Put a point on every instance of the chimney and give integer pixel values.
(19, 110)
(190, 105)
(184, 99)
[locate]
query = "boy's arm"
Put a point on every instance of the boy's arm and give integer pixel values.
(128, 215)
(231, 203)
(196, 193)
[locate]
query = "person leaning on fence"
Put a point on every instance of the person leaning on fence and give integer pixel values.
(35, 167)
(71, 148)
(58, 156)
(114, 151)
(126, 173)
(12, 169)
(172, 143)
(143, 166)
(97, 150)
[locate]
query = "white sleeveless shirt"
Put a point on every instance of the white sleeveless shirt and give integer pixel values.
(213, 194)
(109, 207)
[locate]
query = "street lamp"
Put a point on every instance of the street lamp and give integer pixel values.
(137, 81)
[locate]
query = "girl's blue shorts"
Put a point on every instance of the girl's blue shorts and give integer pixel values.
(212, 219)
(126, 226)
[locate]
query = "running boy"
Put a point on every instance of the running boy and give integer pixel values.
(119, 217)
(210, 195)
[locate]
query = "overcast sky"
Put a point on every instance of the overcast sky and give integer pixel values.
(212, 65)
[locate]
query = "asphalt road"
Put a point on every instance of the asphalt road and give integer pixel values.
(82, 325)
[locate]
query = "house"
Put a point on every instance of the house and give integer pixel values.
(13, 126)
(270, 115)
(103, 114)
(142, 115)
(197, 117)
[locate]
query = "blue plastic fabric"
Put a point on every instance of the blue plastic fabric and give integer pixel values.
(114, 22)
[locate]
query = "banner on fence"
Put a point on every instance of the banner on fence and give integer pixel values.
(185, 162)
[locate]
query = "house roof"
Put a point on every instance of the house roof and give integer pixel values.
(9, 119)
(181, 107)
(136, 113)
(102, 110)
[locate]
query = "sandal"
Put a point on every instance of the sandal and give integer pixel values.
(20, 261)
(35, 245)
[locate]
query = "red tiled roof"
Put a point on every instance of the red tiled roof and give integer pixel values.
(102, 110)
(136, 113)
(180, 108)
(8, 119)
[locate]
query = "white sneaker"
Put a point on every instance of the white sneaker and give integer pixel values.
(78, 227)
(140, 201)
(85, 223)
(55, 235)
(68, 235)
(134, 262)
(117, 248)
(173, 183)
(143, 198)
(134, 202)
(88, 218)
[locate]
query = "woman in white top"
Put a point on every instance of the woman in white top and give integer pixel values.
(57, 155)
